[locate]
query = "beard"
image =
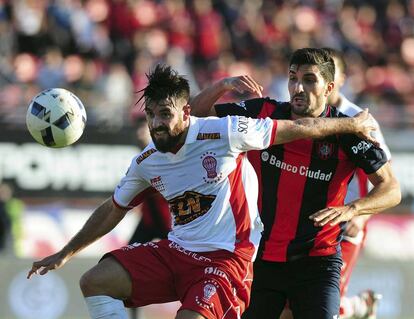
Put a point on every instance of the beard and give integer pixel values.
(168, 141)
(303, 109)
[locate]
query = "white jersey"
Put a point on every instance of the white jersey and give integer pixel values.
(348, 108)
(210, 185)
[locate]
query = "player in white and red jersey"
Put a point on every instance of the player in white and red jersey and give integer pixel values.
(363, 305)
(200, 167)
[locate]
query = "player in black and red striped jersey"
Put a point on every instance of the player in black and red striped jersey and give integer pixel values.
(303, 185)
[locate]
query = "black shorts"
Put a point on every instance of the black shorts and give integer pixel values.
(309, 285)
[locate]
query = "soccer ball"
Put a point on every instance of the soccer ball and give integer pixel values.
(56, 118)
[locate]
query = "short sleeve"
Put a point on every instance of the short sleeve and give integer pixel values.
(247, 134)
(364, 154)
(132, 189)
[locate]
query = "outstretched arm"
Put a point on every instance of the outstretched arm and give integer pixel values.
(102, 221)
(203, 103)
(315, 128)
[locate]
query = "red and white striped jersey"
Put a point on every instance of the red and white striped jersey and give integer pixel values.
(209, 184)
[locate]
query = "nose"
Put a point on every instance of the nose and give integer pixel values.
(298, 88)
(156, 122)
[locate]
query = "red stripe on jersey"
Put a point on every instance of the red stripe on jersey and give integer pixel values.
(289, 206)
(240, 208)
(255, 159)
(326, 241)
(254, 156)
(267, 110)
(274, 129)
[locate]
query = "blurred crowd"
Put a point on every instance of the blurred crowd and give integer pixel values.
(101, 49)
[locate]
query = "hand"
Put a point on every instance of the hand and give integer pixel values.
(365, 125)
(333, 215)
(49, 263)
(355, 225)
(243, 84)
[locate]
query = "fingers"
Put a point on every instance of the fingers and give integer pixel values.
(245, 83)
(43, 266)
(325, 216)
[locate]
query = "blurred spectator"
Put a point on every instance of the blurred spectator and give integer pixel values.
(49, 43)
(11, 210)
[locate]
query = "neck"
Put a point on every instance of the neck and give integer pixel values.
(185, 132)
(335, 99)
(314, 114)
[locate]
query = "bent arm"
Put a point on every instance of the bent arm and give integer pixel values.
(385, 194)
(101, 222)
(203, 103)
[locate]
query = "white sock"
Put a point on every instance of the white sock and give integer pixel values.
(105, 307)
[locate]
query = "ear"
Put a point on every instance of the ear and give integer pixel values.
(329, 88)
(186, 111)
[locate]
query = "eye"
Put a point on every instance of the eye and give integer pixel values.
(309, 80)
(166, 115)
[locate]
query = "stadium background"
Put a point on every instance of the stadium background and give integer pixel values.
(101, 49)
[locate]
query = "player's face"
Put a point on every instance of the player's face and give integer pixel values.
(308, 90)
(166, 122)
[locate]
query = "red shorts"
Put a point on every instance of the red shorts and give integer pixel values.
(350, 253)
(214, 284)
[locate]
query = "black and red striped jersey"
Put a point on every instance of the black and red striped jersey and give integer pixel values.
(299, 178)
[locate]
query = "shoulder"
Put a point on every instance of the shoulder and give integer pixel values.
(145, 154)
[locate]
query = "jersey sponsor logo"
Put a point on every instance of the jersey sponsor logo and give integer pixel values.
(242, 124)
(301, 170)
(192, 254)
(216, 271)
(208, 136)
(136, 244)
(209, 290)
(145, 155)
(209, 162)
(189, 206)
(325, 150)
(157, 183)
(242, 104)
(361, 146)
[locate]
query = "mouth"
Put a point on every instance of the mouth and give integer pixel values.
(160, 133)
(299, 100)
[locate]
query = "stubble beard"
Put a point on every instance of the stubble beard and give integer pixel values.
(170, 142)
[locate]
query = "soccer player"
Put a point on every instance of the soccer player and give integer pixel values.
(363, 305)
(199, 166)
(302, 187)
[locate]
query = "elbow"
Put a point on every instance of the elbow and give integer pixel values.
(396, 192)
(398, 196)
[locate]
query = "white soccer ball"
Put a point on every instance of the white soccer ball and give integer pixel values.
(56, 118)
